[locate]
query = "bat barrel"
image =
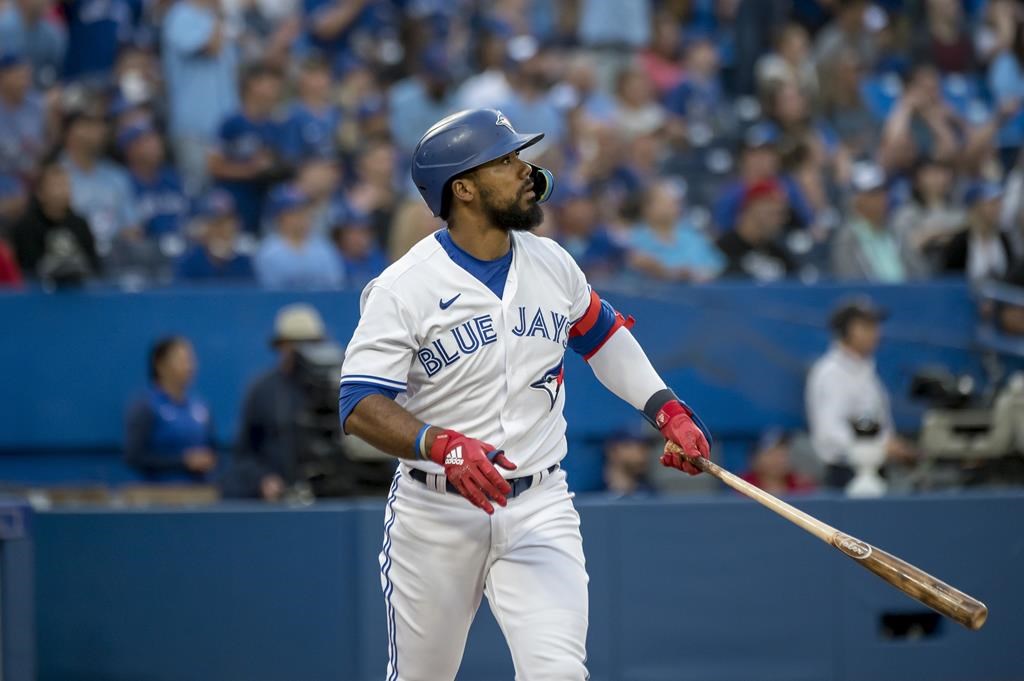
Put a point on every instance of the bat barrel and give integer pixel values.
(909, 579)
(915, 582)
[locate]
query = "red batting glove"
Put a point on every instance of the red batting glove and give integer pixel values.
(675, 421)
(470, 466)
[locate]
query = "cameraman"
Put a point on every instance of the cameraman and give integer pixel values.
(843, 388)
(266, 453)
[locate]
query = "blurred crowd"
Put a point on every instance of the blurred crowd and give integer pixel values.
(144, 142)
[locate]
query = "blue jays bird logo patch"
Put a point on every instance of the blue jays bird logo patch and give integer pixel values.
(551, 382)
(503, 121)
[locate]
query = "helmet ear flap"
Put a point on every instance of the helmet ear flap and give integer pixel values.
(543, 182)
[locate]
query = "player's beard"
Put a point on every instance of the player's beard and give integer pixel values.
(511, 218)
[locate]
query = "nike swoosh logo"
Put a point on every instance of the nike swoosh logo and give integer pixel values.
(445, 304)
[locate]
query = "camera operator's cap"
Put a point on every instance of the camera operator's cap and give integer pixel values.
(982, 191)
(298, 323)
(867, 177)
(858, 307)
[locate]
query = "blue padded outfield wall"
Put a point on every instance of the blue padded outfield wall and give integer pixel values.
(713, 589)
(737, 352)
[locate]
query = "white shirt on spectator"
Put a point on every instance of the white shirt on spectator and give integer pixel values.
(843, 387)
(985, 257)
(487, 89)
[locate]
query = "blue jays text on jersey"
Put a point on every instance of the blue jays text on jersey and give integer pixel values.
(478, 332)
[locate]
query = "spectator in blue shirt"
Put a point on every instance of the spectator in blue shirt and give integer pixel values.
(337, 27)
(96, 31)
(921, 124)
(1006, 74)
(417, 102)
(760, 161)
(611, 23)
(293, 257)
(667, 246)
(599, 252)
(581, 82)
(158, 191)
(169, 432)
(200, 61)
(246, 158)
(22, 117)
(312, 126)
(530, 107)
(374, 191)
(357, 246)
(699, 97)
(25, 29)
(789, 109)
(319, 178)
(101, 190)
(216, 257)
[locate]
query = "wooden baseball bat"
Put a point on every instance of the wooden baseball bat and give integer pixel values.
(908, 578)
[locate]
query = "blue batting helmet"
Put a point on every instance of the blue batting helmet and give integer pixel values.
(462, 142)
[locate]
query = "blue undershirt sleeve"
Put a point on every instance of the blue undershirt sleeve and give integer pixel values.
(352, 393)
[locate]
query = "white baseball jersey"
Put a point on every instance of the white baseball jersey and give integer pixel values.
(461, 358)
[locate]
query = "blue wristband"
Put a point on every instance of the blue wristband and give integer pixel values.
(417, 445)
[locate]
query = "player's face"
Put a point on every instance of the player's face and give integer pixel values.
(507, 197)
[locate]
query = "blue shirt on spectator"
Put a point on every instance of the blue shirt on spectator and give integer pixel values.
(202, 89)
(413, 111)
(96, 31)
(309, 133)
(198, 265)
(22, 135)
(694, 98)
(613, 22)
(313, 265)
(372, 20)
(43, 43)
(689, 249)
(359, 271)
(599, 254)
(103, 195)
(538, 114)
(241, 139)
(1006, 82)
(161, 429)
(161, 202)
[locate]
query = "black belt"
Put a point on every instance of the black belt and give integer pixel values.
(518, 485)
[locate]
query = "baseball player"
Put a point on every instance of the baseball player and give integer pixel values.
(456, 368)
